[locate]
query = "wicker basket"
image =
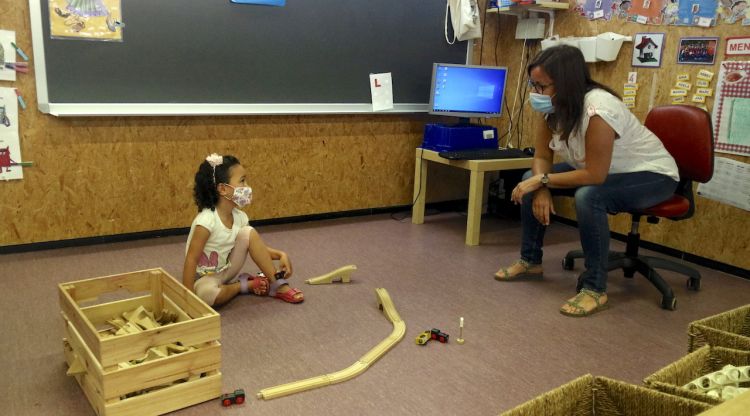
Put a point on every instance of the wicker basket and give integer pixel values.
(730, 329)
(600, 396)
(698, 363)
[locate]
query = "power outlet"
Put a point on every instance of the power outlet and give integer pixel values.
(532, 28)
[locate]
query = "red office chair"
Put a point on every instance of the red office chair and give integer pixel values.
(688, 136)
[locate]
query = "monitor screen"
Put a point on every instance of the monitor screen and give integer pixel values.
(467, 90)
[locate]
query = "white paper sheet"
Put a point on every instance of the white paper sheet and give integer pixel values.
(730, 183)
(7, 55)
(381, 87)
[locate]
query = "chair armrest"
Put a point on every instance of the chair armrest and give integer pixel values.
(685, 189)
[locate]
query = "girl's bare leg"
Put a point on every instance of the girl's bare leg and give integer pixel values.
(237, 260)
(227, 293)
(262, 258)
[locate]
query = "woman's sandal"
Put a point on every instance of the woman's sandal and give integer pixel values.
(255, 284)
(528, 271)
(289, 295)
(576, 304)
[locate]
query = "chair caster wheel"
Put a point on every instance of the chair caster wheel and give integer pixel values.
(693, 284)
(669, 304)
(567, 263)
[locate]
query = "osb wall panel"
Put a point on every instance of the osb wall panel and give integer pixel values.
(717, 231)
(114, 175)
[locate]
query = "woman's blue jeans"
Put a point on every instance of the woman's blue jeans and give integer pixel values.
(620, 192)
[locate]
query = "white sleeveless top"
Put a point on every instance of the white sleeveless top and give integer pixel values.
(636, 148)
(215, 256)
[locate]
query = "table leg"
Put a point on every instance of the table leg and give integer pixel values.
(476, 191)
(420, 189)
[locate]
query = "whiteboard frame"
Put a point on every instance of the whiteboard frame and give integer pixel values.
(187, 109)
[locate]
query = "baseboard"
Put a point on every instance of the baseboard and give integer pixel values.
(692, 258)
(89, 241)
(444, 206)
(118, 238)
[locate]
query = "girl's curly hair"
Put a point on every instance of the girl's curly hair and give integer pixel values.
(204, 192)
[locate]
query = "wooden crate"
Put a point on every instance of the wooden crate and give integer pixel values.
(93, 359)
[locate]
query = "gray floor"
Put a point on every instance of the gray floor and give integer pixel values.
(517, 344)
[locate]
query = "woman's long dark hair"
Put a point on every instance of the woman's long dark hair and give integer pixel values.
(204, 191)
(567, 68)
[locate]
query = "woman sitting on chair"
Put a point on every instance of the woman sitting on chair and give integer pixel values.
(612, 164)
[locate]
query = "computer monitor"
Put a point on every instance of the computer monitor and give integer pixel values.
(467, 90)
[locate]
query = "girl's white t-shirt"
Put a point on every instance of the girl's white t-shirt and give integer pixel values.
(636, 148)
(215, 256)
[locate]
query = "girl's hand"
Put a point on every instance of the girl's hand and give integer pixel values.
(524, 187)
(286, 264)
(542, 206)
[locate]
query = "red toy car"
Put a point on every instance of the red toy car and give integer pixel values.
(437, 335)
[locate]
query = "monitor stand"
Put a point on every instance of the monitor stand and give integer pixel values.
(464, 122)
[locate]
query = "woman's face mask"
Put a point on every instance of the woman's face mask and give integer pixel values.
(242, 195)
(541, 103)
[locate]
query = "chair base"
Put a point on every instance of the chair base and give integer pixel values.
(645, 265)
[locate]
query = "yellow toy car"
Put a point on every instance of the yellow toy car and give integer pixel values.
(422, 338)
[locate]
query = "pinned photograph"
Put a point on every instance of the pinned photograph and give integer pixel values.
(701, 51)
(647, 49)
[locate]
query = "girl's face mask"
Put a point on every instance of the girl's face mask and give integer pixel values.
(541, 103)
(242, 195)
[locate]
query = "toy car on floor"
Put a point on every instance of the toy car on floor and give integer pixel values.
(438, 335)
(423, 338)
(236, 397)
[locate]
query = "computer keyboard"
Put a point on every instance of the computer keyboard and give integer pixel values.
(487, 153)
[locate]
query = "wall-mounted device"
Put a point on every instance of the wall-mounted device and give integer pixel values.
(603, 47)
(531, 28)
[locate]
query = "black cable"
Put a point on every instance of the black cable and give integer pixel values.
(510, 122)
(518, 125)
(497, 40)
(521, 115)
(526, 89)
(481, 48)
(523, 96)
(419, 190)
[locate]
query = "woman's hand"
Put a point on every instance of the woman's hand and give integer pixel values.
(286, 264)
(524, 187)
(542, 206)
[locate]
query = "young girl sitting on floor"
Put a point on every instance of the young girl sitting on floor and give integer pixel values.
(220, 239)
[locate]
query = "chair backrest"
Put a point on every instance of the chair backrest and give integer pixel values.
(687, 134)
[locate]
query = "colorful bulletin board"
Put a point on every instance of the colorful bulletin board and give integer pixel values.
(731, 115)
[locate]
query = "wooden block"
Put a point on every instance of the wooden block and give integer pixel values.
(342, 274)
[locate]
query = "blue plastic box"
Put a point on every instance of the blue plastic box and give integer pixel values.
(444, 138)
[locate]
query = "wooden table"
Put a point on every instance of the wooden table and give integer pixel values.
(476, 185)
